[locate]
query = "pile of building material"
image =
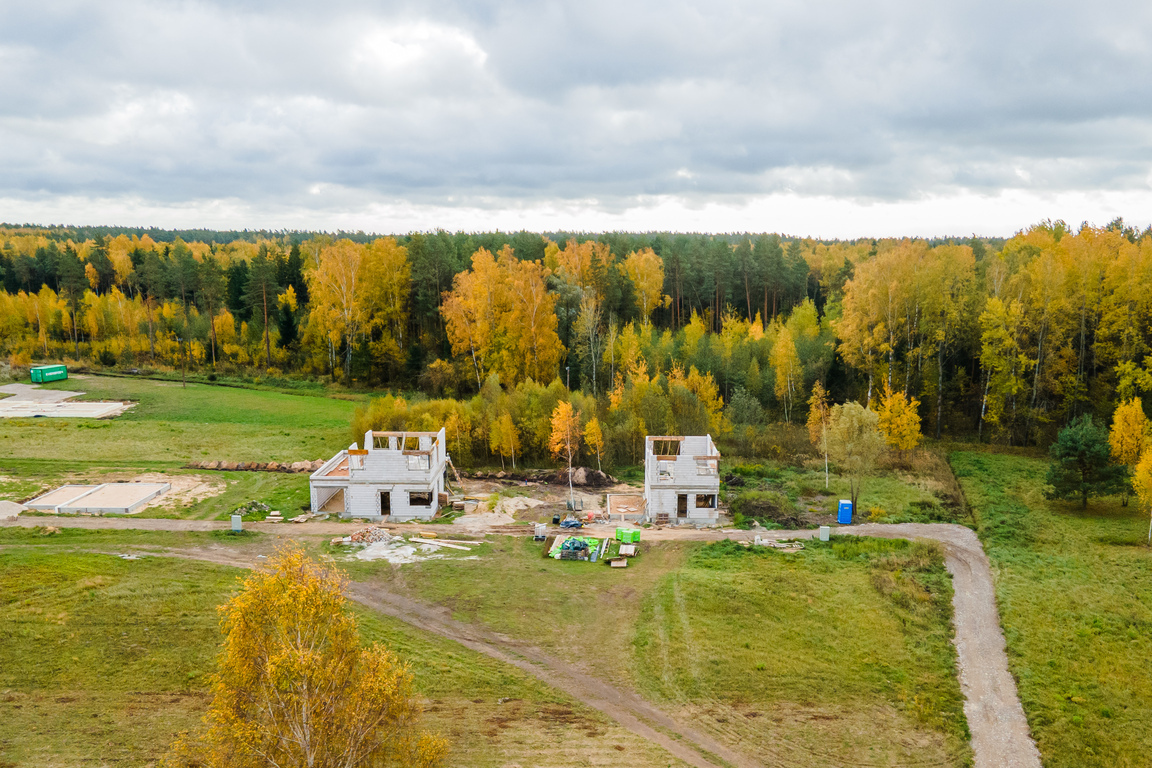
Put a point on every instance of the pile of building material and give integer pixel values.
(257, 466)
(785, 546)
(366, 536)
(377, 543)
(257, 507)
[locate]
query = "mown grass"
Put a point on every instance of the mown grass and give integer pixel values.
(173, 425)
(103, 661)
(1075, 594)
(836, 655)
(857, 630)
(168, 427)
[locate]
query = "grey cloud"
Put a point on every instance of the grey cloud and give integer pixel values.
(447, 102)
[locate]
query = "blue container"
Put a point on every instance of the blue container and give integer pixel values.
(844, 516)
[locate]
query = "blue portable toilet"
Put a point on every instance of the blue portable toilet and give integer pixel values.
(844, 517)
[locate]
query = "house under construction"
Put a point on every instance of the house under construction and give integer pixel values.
(396, 475)
(681, 479)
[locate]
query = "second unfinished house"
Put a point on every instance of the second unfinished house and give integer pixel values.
(396, 475)
(681, 479)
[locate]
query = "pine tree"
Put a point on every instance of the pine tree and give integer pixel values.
(1081, 463)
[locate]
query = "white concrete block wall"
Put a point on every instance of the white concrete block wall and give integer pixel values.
(386, 469)
(661, 495)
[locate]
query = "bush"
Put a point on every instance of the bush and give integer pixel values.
(765, 507)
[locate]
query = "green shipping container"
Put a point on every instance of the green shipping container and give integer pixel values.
(45, 373)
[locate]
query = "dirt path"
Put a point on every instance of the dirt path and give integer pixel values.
(628, 709)
(1000, 735)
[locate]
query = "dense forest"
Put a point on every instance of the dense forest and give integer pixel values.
(1001, 340)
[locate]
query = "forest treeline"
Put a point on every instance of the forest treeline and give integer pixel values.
(1005, 340)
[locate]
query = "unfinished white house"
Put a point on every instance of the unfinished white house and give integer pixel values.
(396, 475)
(681, 479)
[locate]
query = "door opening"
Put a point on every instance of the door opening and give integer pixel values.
(385, 502)
(681, 505)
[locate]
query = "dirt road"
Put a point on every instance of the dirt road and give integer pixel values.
(629, 710)
(1000, 736)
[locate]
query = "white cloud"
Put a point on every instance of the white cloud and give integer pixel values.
(728, 115)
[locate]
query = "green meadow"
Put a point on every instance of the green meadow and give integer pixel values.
(1074, 588)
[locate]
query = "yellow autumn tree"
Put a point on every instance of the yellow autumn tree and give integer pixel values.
(594, 438)
(786, 363)
(564, 442)
(385, 282)
(899, 421)
(504, 438)
(334, 287)
(501, 315)
(532, 347)
(646, 271)
(470, 312)
(1142, 484)
(1129, 436)
(294, 686)
(819, 416)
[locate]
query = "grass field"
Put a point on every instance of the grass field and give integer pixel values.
(168, 427)
(103, 661)
(1075, 594)
(819, 658)
(171, 425)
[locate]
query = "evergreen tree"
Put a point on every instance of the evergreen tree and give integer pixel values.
(237, 288)
(1081, 463)
(261, 293)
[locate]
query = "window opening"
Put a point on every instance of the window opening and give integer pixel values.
(420, 498)
(705, 500)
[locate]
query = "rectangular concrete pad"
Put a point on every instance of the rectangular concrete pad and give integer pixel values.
(23, 409)
(116, 498)
(61, 495)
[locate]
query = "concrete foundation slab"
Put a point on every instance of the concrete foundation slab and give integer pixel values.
(108, 498)
(24, 409)
(30, 402)
(62, 495)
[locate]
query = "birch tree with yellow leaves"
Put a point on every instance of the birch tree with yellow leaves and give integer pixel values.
(295, 688)
(646, 271)
(1128, 438)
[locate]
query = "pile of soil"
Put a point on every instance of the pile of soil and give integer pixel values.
(583, 477)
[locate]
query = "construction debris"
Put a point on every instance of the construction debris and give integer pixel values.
(371, 535)
(785, 546)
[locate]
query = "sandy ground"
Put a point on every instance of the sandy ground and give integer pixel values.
(10, 509)
(186, 489)
(1000, 736)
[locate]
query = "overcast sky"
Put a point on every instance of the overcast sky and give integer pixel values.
(835, 118)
